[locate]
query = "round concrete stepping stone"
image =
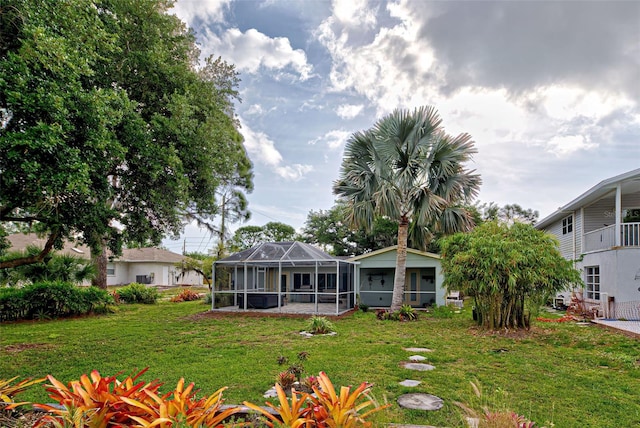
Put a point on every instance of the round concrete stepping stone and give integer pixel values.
(418, 366)
(410, 382)
(420, 401)
(417, 349)
(417, 358)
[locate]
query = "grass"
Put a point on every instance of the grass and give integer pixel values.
(562, 374)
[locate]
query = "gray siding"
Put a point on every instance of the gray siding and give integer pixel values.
(568, 239)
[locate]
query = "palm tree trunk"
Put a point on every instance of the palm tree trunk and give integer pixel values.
(401, 266)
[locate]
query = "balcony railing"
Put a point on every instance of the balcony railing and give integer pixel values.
(604, 238)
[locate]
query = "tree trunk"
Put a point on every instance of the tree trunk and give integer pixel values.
(401, 266)
(100, 262)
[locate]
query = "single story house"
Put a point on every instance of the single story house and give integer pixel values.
(423, 278)
(298, 277)
(153, 266)
(600, 232)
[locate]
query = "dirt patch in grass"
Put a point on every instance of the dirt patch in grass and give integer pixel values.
(19, 347)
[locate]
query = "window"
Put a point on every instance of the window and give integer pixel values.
(567, 225)
(592, 282)
(327, 281)
(111, 269)
(300, 279)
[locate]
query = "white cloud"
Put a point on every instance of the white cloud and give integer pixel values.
(252, 50)
(566, 145)
(354, 13)
(349, 111)
(293, 172)
(207, 10)
(333, 139)
(262, 149)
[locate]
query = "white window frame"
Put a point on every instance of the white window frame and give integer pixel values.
(592, 282)
(112, 269)
(567, 224)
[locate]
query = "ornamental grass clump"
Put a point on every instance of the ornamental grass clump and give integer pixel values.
(319, 325)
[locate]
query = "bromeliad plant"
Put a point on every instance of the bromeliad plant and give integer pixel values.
(322, 409)
(9, 389)
(101, 402)
(93, 401)
(342, 411)
(294, 415)
(181, 408)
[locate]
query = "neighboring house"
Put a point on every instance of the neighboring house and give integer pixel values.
(152, 266)
(298, 277)
(423, 278)
(600, 231)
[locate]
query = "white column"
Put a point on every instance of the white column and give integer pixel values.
(618, 214)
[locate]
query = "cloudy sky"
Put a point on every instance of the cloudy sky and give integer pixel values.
(549, 90)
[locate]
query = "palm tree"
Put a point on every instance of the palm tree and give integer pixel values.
(407, 169)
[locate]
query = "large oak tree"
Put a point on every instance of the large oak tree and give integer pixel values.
(110, 130)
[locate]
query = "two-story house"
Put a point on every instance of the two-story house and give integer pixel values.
(600, 231)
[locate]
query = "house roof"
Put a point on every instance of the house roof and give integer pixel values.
(394, 248)
(278, 252)
(629, 181)
(156, 255)
(20, 241)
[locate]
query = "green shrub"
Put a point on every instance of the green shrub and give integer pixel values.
(46, 300)
(138, 293)
(364, 307)
(408, 313)
(319, 325)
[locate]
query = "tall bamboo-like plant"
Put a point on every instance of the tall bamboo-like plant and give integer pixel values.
(509, 271)
(407, 169)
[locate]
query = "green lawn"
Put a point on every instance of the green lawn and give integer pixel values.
(561, 374)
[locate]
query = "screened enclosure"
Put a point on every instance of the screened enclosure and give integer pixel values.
(287, 277)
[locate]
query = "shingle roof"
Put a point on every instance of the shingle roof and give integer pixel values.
(20, 241)
(149, 255)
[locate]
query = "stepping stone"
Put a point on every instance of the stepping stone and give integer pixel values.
(271, 393)
(417, 358)
(418, 366)
(409, 382)
(417, 349)
(420, 402)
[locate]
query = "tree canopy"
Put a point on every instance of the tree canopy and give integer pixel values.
(110, 130)
(249, 236)
(407, 169)
(330, 230)
(510, 270)
(508, 213)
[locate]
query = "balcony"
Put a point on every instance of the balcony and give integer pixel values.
(604, 238)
